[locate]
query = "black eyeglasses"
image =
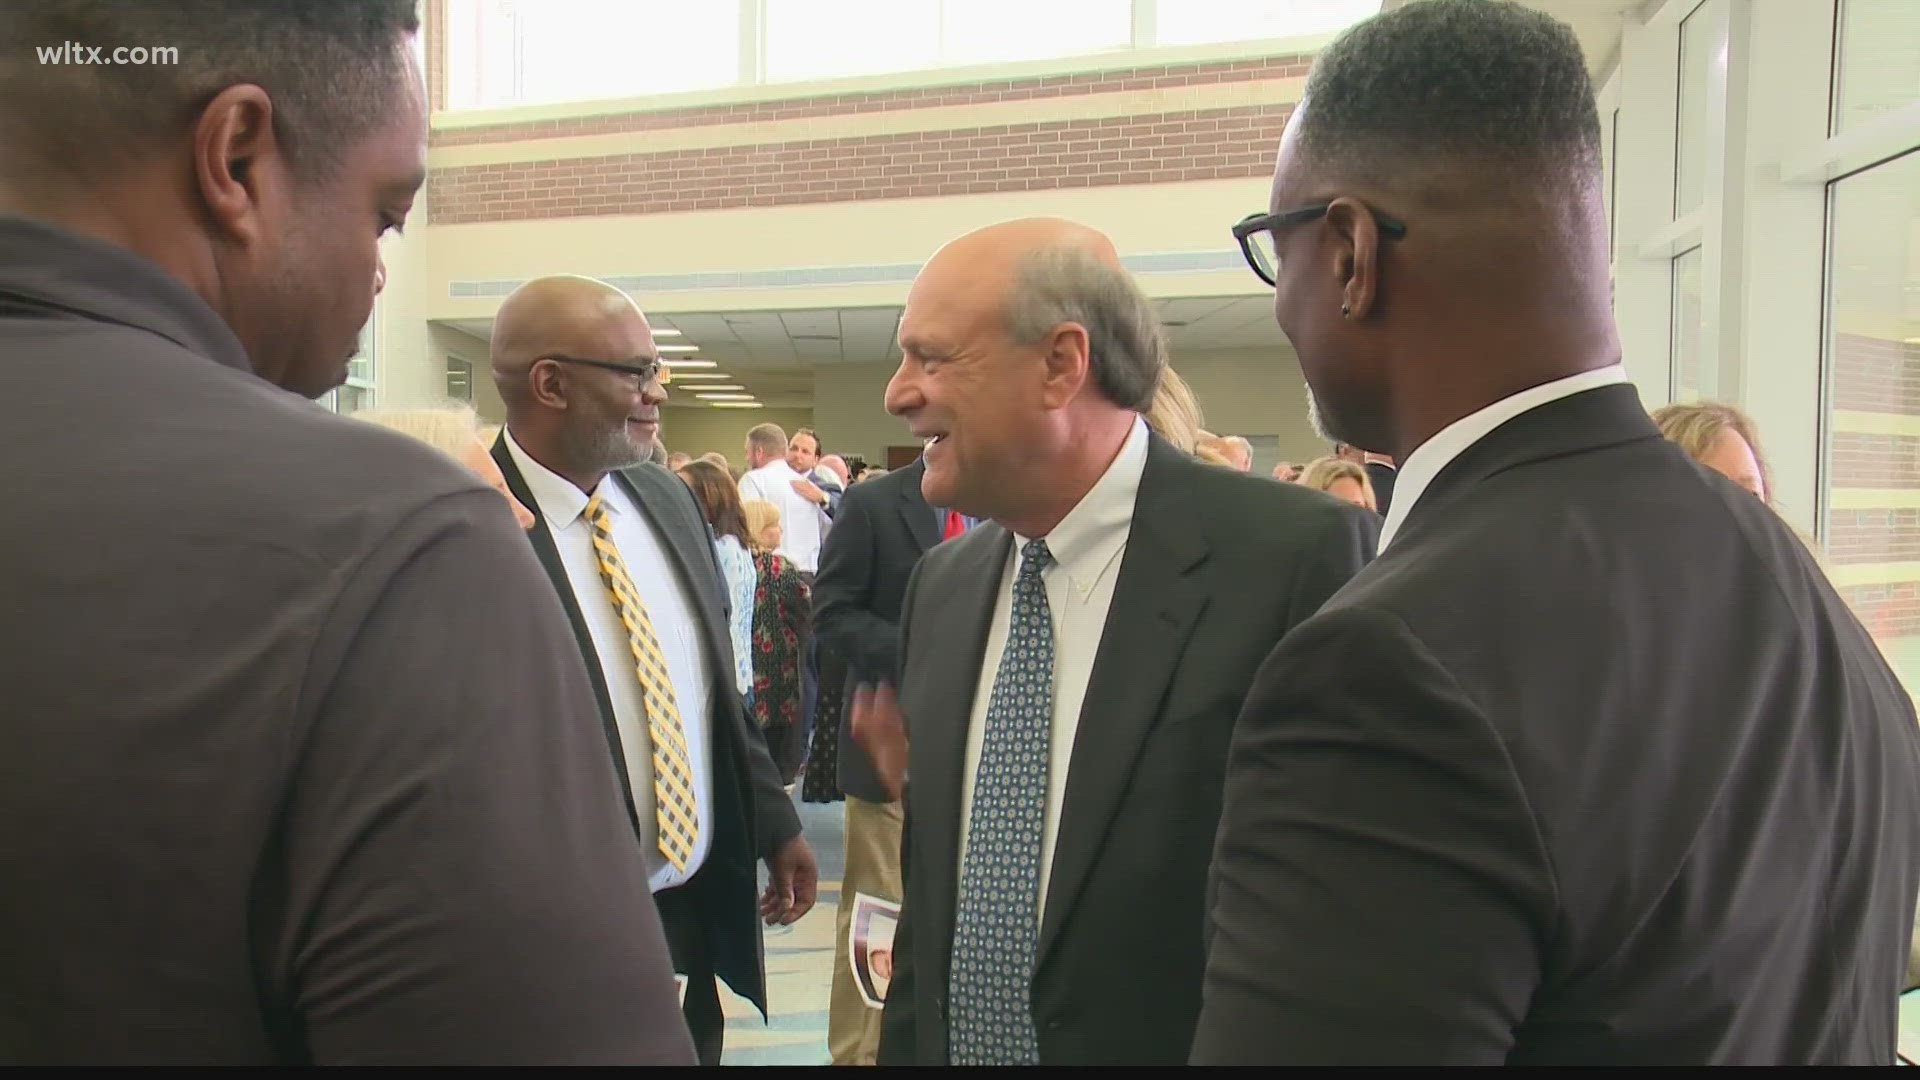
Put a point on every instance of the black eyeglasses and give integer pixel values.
(647, 372)
(1255, 233)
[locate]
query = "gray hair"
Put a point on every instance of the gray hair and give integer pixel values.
(1070, 285)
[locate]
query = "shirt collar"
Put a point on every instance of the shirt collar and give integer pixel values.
(1432, 456)
(560, 503)
(1095, 530)
(49, 265)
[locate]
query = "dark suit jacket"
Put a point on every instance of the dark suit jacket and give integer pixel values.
(1217, 567)
(1592, 766)
(1382, 476)
(883, 528)
(753, 816)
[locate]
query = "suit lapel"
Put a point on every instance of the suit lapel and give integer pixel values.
(549, 555)
(695, 567)
(913, 506)
(1156, 600)
(956, 642)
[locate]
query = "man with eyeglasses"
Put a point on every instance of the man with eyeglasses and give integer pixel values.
(628, 550)
(1592, 766)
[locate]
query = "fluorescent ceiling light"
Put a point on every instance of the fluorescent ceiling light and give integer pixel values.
(724, 397)
(679, 348)
(736, 405)
(704, 386)
(696, 374)
(676, 365)
(666, 331)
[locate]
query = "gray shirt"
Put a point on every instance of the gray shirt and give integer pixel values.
(298, 758)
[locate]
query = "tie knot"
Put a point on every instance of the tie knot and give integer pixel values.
(1034, 558)
(596, 507)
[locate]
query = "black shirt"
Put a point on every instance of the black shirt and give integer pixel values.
(298, 760)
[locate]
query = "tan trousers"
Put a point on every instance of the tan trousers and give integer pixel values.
(873, 867)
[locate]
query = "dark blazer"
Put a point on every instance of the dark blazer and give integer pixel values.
(1382, 476)
(883, 528)
(1217, 567)
(1592, 766)
(753, 815)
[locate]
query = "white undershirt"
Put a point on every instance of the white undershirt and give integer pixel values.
(1087, 547)
(650, 565)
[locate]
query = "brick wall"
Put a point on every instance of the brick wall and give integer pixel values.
(1880, 376)
(927, 97)
(1876, 375)
(1887, 611)
(1020, 157)
(1175, 145)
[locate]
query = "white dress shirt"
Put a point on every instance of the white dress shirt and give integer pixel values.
(1086, 547)
(802, 524)
(675, 624)
(1451, 441)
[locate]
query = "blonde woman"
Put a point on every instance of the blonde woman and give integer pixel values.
(782, 614)
(1174, 414)
(1722, 438)
(1341, 479)
(454, 430)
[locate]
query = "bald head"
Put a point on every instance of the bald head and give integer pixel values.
(1035, 274)
(564, 315)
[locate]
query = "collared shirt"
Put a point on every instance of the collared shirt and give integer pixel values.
(563, 506)
(802, 524)
(1434, 455)
(299, 763)
(1086, 547)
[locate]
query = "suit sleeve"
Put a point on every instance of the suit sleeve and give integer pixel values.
(1344, 541)
(843, 597)
(458, 880)
(899, 1039)
(1380, 890)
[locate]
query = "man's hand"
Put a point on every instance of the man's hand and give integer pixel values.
(793, 883)
(810, 491)
(881, 731)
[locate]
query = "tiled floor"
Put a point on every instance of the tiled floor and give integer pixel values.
(799, 965)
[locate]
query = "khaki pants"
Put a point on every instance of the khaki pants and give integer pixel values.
(873, 867)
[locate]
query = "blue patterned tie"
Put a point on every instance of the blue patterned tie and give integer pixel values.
(997, 918)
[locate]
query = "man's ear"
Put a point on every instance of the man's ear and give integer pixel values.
(1356, 256)
(549, 387)
(239, 165)
(1069, 364)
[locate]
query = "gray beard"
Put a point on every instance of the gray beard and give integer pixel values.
(1313, 418)
(609, 450)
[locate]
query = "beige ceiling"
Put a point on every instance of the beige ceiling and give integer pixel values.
(774, 353)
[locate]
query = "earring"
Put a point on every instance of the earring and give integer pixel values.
(1346, 311)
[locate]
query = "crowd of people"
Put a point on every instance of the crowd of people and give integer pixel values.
(1519, 729)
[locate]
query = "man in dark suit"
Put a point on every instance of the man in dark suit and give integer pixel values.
(882, 529)
(631, 556)
(1592, 766)
(1071, 670)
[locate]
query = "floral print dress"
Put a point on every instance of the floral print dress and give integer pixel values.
(782, 613)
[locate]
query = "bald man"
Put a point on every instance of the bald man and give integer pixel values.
(1071, 669)
(627, 548)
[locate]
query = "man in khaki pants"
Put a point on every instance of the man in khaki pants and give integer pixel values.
(879, 533)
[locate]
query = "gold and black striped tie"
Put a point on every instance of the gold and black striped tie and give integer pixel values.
(674, 807)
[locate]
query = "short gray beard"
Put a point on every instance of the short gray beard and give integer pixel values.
(609, 450)
(1313, 417)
